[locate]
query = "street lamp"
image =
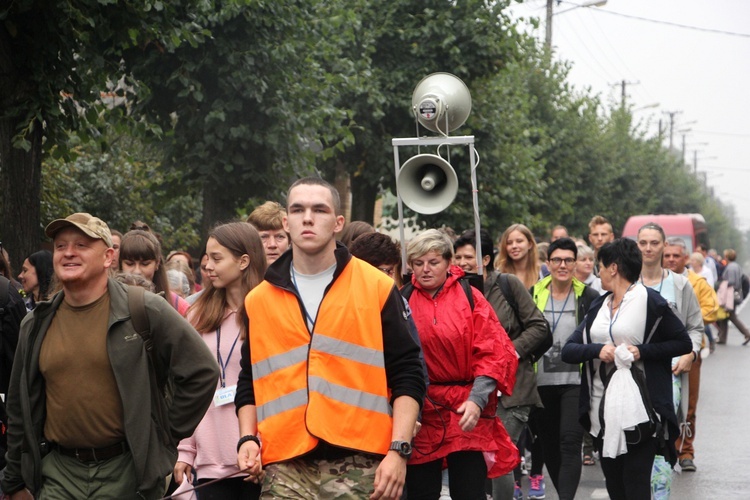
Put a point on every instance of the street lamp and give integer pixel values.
(550, 13)
(647, 106)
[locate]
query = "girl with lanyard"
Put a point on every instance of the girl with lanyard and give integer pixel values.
(564, 301)
(236, 264)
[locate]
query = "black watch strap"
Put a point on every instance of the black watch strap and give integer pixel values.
(245, 439)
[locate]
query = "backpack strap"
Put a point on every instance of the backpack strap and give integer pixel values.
(467, 290)
(142, 326)
(139, 317)
(408, 289)
(509, 297)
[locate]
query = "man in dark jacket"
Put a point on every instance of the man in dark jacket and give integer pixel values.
(80, 393)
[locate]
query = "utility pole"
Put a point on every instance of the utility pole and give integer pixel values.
(683, 148)
(550, 13)
(695, 162)
(548, 27)
(623, 93)
(671, 126)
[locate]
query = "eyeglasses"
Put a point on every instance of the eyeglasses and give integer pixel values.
(388, 270)
(557, 261)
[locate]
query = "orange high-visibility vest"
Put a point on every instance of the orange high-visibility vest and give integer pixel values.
(330, 385)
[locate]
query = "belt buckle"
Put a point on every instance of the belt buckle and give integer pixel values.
(77, 457)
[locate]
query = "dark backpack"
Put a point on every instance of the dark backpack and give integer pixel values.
(745, 286)
(510, 298)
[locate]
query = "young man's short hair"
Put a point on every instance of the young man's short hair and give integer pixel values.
(598, 220)
(267, 217)
(317, 181)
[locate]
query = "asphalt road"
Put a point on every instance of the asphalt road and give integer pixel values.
(722, 421)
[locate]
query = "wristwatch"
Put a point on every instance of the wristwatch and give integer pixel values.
(245, 439)
(402, 447)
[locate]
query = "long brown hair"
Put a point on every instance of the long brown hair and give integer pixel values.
(506, 265)
(240, 238)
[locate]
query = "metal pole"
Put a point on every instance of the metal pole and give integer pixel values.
(548, 27)
(475, 199)
(397, 166)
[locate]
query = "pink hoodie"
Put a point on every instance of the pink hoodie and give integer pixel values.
(212, 449)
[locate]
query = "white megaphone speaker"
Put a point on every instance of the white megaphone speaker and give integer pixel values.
(427, 184)
(441, 102)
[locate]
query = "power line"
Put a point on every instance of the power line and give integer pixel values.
(670, 23)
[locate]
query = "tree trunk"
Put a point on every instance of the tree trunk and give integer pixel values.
(363, 199)
(20, 171)
(21, 182)
(218, 205)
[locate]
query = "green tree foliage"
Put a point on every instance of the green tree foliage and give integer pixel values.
(390, 48)
(246, 109)
(55, 58)
(243, 96)
(123, 184)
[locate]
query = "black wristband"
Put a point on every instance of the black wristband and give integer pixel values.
(245, 439)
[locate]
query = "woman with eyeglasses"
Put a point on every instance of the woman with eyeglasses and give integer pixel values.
(564, 301)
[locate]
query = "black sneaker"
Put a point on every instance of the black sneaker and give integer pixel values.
(688, 465)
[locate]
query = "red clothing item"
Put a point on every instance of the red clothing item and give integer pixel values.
(459, 345)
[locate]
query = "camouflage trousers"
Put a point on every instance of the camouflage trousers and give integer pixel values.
(350, 477)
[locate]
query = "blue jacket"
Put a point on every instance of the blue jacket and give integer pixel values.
(666, 337)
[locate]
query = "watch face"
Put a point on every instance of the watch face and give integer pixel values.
(402, 447)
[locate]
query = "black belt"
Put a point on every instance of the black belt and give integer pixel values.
(93, 454)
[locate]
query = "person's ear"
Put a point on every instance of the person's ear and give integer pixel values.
(244, 261)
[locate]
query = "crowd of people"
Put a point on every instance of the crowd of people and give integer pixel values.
(301, 356)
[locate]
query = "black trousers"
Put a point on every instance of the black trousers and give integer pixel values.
(467, 471)
(562, 436)
(234, 487)
(628, 476)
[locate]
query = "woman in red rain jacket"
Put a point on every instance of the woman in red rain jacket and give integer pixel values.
(469, 358)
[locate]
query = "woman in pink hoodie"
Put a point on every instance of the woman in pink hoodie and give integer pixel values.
(236, 264)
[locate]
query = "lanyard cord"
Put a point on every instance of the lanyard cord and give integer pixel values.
(562, 311)
(219, 358)
(617, 315)
(294, 280)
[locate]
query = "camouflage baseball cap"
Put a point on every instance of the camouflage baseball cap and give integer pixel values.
(92, 226)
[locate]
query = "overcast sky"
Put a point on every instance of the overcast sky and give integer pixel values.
(699, 70)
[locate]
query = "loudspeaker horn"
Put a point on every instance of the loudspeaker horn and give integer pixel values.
(439, 95)
(427, 184)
